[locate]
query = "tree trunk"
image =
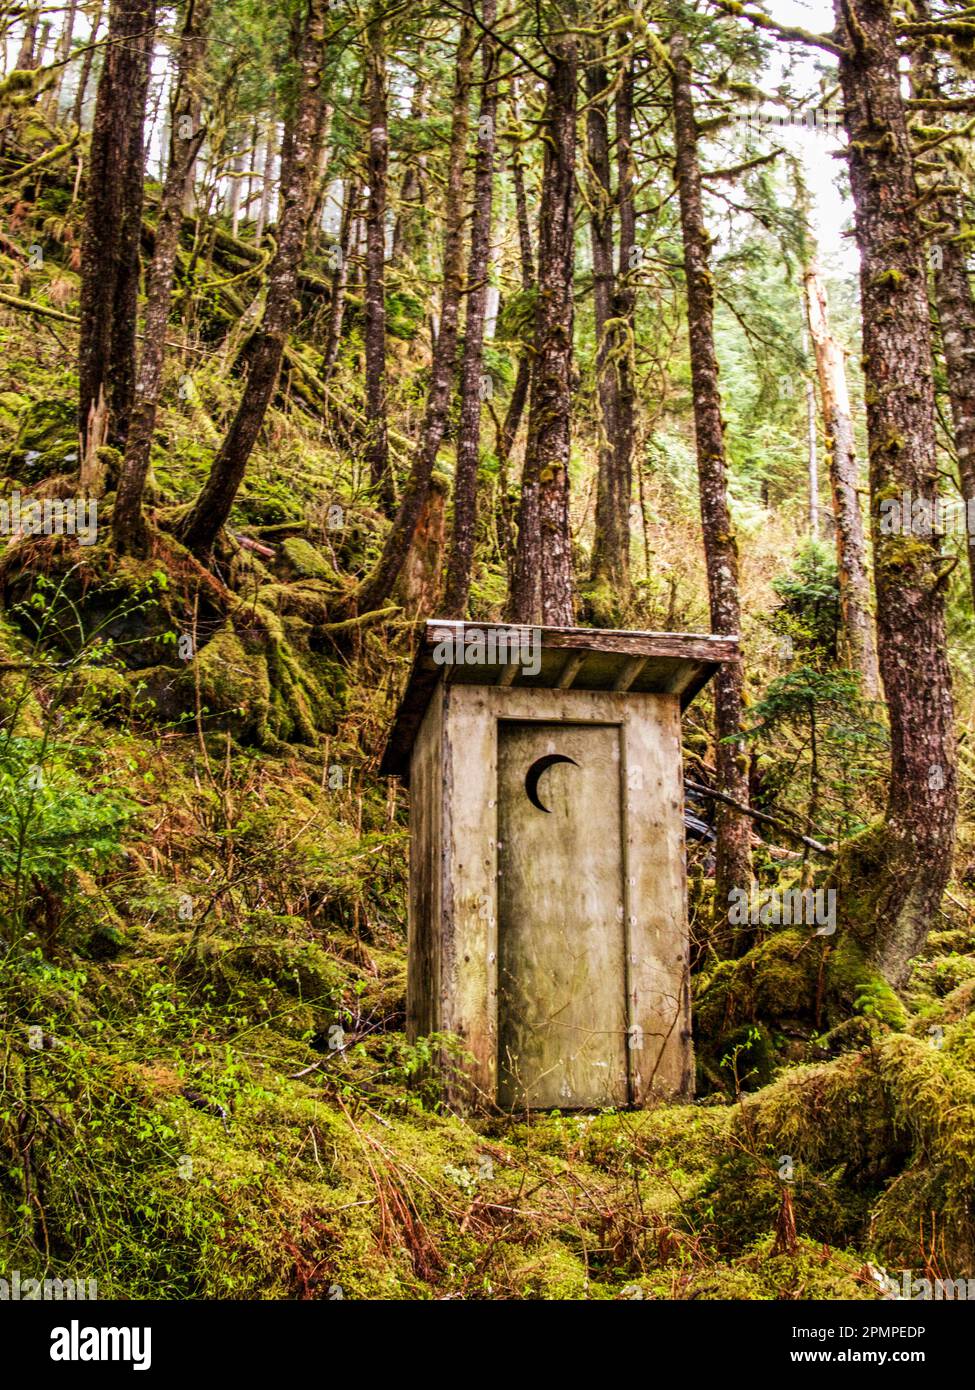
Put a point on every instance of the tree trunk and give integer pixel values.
(267, 179)
(88, 57)
(471, 393)
(340, 273)
(860, 647)
(27, 53)
(112, 232)
(624, 305)
(614, 301)
(956, 317)
(954, 299)
(63, 54)
(410, 212)
(733, 856)
(508, 432)
(542, 583)
(377, 431)
(891, 888)
(378, 584)
(128, 524)
(299, 161)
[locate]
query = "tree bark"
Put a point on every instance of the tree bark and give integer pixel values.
(267, 179)
(340, 275)
(27, 53)
(472, 365)
(377, 430)
(891, 895)
(112, 232)
(613, 301)
(542, 583)
(508, 432)
(375, 587)
(860, 645)
(299, 162)
(129, 532)
(733, 856)
(954, 299)
(87, 59)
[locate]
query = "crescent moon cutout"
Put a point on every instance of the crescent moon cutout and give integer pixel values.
(533, 774)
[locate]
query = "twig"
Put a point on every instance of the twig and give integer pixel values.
(759, 816)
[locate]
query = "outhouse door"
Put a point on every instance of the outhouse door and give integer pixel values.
(562, 1015)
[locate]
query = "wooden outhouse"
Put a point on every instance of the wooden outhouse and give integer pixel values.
(547, 918)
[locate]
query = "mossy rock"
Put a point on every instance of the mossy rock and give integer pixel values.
(46, 442)
(877, 1140)
(234, 687)
(771, 989)
(100, 689)
(811, 1271)
(303, 561)
(741, 1202)
(265, 503)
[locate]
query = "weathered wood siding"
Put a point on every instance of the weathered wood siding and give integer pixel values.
(453, 975)
(562, 1011)
(426, 876)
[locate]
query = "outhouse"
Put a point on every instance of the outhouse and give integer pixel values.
(547, 901)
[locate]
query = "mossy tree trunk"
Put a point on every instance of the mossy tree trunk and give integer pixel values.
(952, 291)
(185, 137)
(542, 589)
(375, 587)
(112, 232)
(299, 163)
(471, 395)
(377, 433)
(733, 869)
(613, 309)
(892, 908)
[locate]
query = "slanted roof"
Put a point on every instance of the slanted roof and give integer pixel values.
(580, 658)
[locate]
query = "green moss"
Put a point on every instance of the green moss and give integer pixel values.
(304, 561)
(46, 442)
(744, 1007)
(233, 683)
(876, 1140)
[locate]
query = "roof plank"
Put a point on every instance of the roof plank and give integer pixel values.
(668, 662)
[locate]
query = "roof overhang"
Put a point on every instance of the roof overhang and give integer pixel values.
(549, 658)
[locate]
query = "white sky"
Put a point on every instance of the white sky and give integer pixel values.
(831, 210)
